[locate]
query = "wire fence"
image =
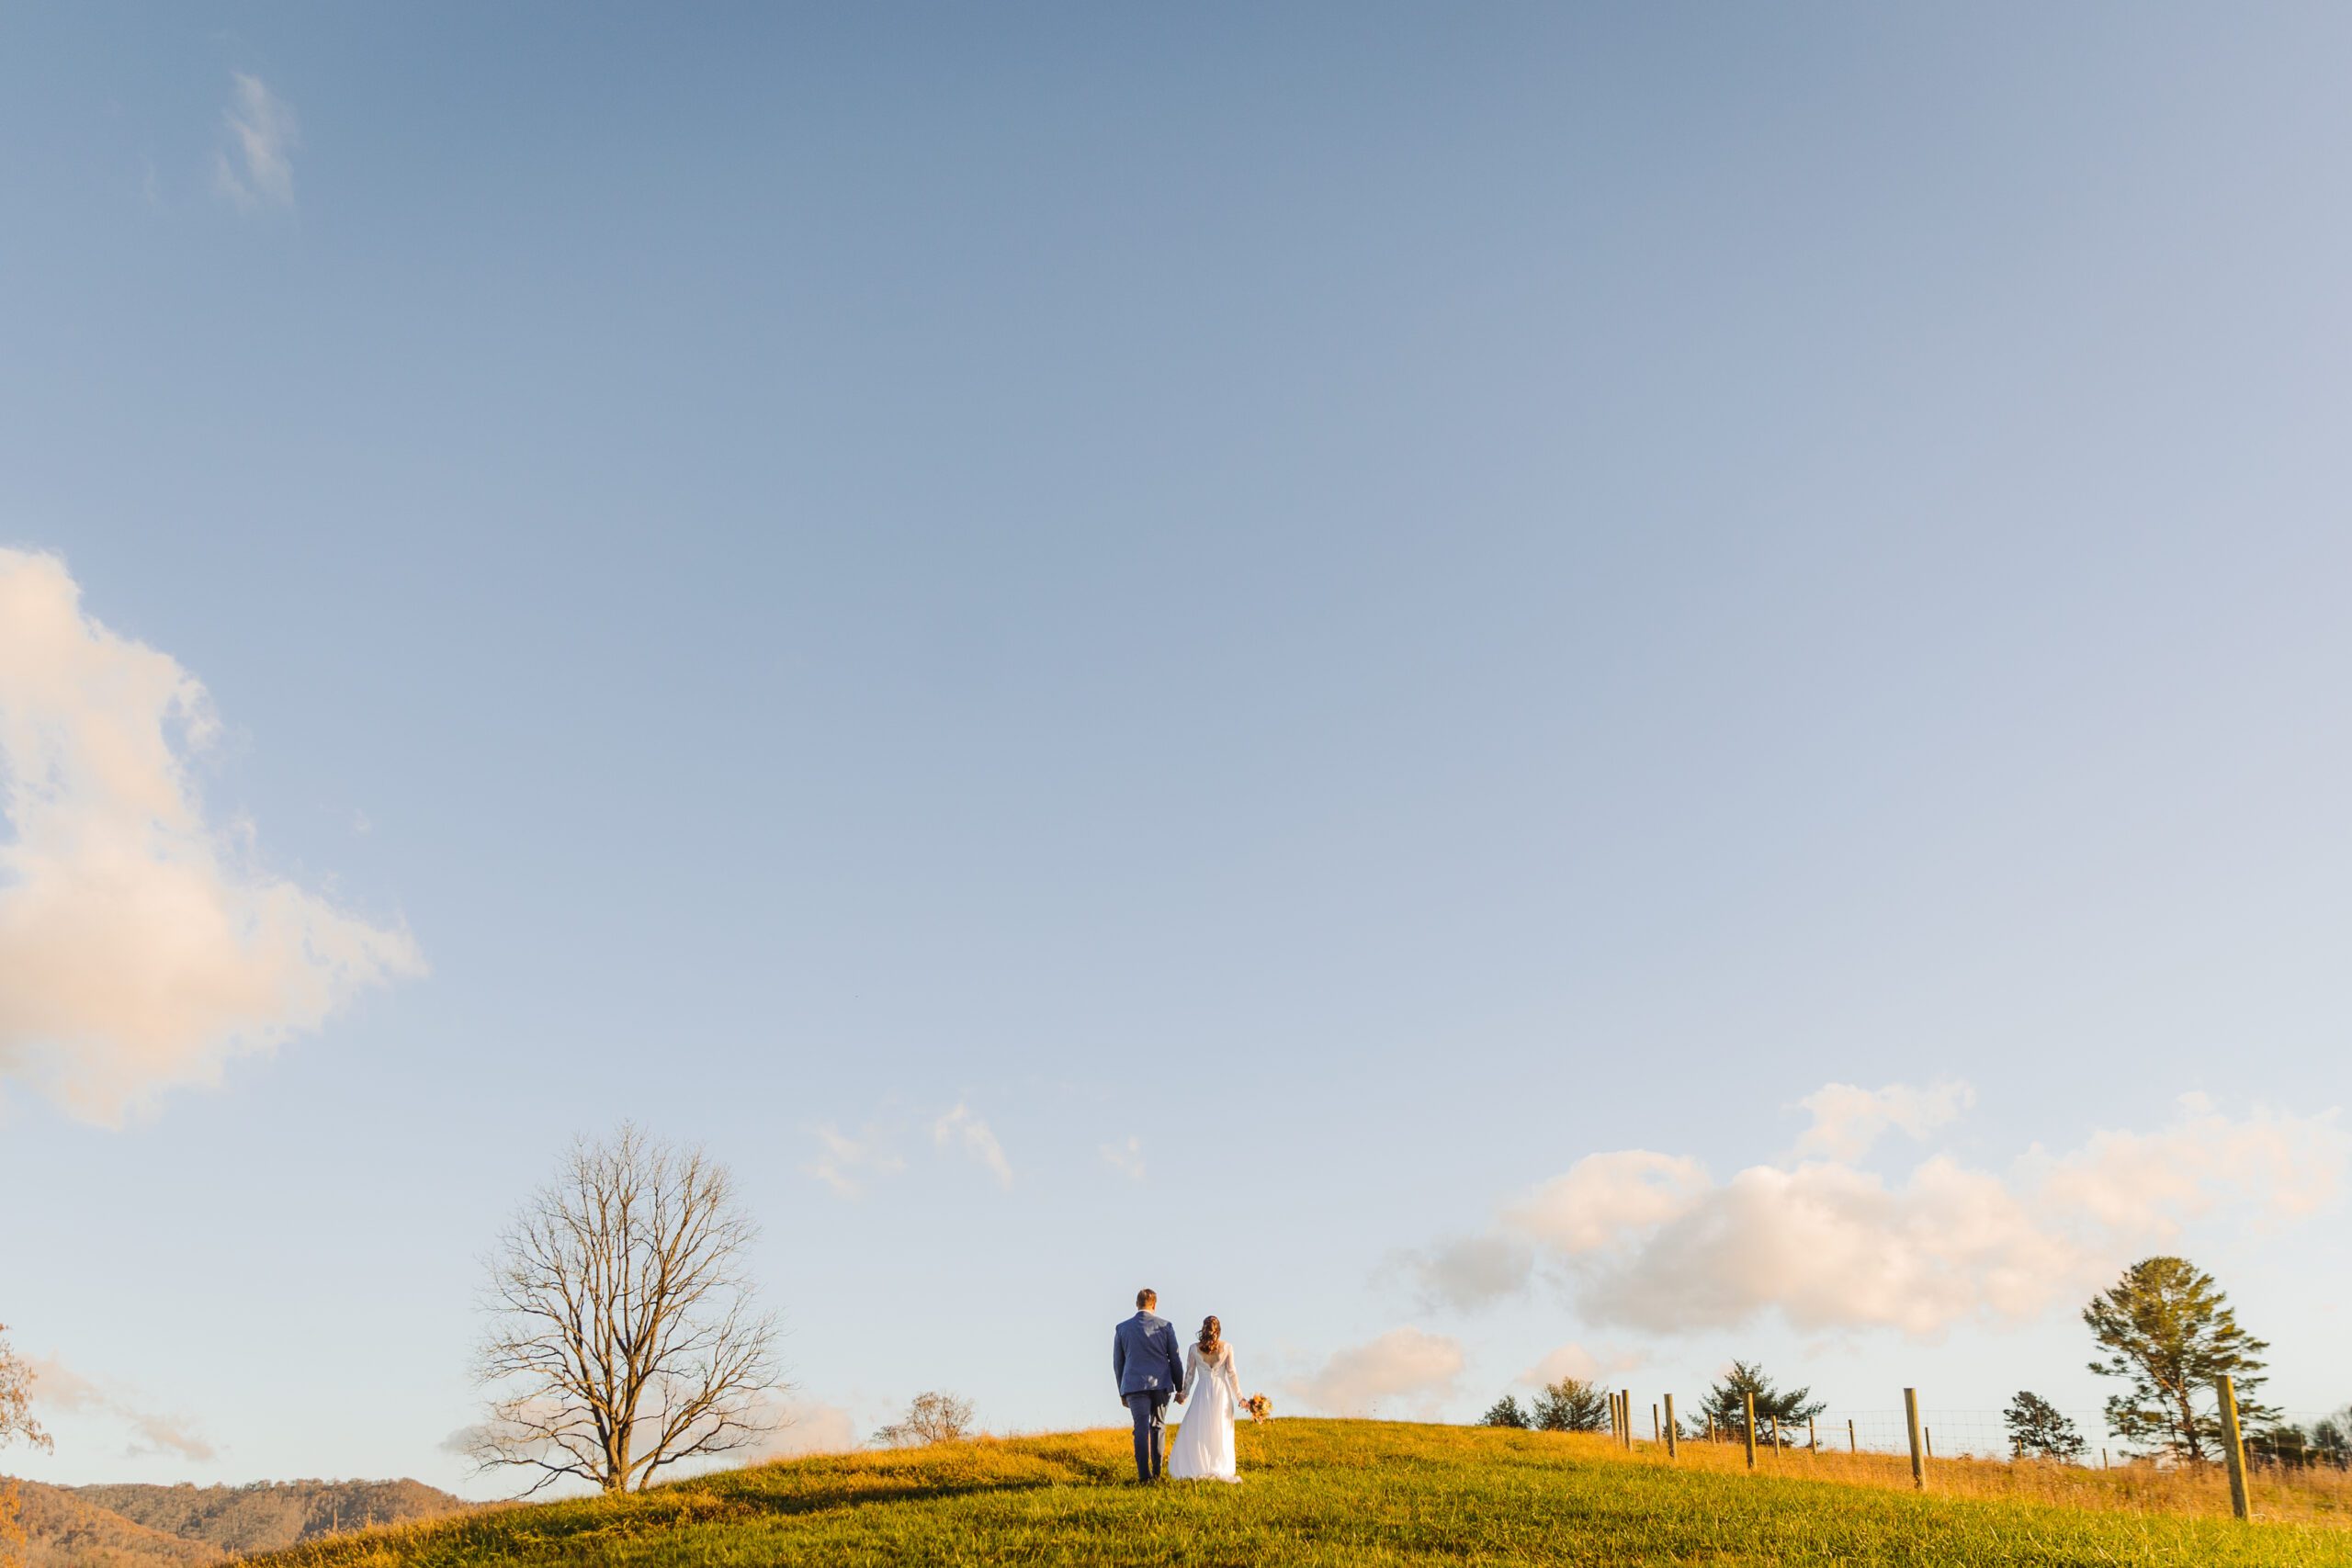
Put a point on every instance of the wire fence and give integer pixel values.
(1986, 1435)
(1974, 1451)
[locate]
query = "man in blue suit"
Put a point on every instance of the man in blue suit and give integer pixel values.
(1149, 1367)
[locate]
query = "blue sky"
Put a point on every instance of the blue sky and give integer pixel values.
(1380, 602)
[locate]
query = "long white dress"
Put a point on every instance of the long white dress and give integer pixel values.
(1204, 1449)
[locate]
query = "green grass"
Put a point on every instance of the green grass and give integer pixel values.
(1355, 1493)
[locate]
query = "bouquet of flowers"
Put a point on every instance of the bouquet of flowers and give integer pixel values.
(1260, 1408)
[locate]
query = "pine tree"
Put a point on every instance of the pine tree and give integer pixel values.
(2037, 1431)
(1727, 1404)
(2172, 1336)
(2332, 1438)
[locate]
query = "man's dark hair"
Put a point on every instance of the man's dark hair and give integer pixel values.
(1145, 1297)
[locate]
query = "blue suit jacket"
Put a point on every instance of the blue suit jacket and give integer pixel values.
(1143, 1356)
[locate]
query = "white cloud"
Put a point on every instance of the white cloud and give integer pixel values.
(1830, 1246)
(1649, 1240)
(1472, 1270)
(959, 1128)
(1604, 1196)
(256, 168)
(1573, 1360)
(1404, 1371)
(1848, 1119)
(852, 1163)
(57, 1387)
(142, 945)
(2146, 1183)
(808, 1427)
(848, 1164)
(1127, 1158)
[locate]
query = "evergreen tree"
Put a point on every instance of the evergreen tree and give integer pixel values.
(2037, 1429)
(1572, 1405)
(1504, 1412)
(2284, 1444)
(2332, 1438)
(1727, 1403)
(2172, 1335)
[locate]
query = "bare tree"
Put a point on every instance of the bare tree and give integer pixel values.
(931, 1419)
(624, 1334)
(16, 1421)
(17, 1398)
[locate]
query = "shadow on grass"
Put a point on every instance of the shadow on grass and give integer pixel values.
(803, 1488)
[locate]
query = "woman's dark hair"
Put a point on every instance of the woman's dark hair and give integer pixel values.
(1209, 1338)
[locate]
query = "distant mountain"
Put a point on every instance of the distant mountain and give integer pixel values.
(63, 1531)
(269, 1515)
(194, 1527)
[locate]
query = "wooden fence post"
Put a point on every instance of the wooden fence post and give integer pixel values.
(1625, 1404)
(1911, 1420)
(1929, 1433)
(1671, 1433)
(2236, 1449)
(1750, 1399)
(1851, 1446)
(1657, 1431)
(1811, 1436)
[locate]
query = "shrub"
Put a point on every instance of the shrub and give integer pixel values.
(933, 1417)
(1572, 1405)
(1504, 1412)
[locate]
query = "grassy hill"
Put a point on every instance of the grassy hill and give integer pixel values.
(1351, 1493)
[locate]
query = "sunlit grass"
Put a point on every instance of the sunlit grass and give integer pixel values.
(1364, 1493)
(2318, 1495)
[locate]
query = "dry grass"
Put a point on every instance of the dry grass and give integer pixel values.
(2318, 1495)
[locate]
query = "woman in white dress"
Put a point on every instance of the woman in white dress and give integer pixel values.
(1203, 1449)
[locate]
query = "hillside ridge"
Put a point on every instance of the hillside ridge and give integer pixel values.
(63, 1531)
(267, 1516)
(1356, 1495)
(134, 1525)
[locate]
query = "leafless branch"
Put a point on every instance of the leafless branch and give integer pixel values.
(624, 1337)
(932, 1418)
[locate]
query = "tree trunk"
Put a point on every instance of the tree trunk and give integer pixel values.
(2188, 1425)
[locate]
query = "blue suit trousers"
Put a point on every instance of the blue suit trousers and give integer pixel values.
(1150, 1411)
